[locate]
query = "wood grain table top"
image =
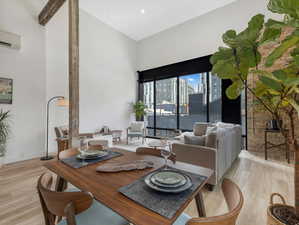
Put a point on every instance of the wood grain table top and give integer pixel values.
(104, 186)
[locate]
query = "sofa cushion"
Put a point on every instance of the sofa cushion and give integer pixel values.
(200, 128)
(194, 140)
(211, 140)
(211, 137)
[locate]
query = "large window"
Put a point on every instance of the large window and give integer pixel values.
(179, 102)
(193, 100)
(181, 94)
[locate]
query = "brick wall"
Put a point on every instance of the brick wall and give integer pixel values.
(257, 119)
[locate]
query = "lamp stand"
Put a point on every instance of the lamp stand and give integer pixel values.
(47, 156)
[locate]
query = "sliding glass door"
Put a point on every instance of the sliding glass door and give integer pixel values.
(181, 101)
(193, 100)
(166, 106)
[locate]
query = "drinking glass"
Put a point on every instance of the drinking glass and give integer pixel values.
(166, 153)
(83, 148)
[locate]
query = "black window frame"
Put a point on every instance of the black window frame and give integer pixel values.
(231, 109)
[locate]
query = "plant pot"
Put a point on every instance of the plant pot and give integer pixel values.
(281, 214)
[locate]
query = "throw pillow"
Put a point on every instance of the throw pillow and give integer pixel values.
(211, 129)
(211, 140)
(194, 140)
(200, 129)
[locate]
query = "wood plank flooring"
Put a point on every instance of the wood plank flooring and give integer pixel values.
(19, 203)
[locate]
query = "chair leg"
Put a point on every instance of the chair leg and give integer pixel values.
(200, 205)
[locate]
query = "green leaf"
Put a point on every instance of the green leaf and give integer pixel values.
(260, 89)
(225, 69)
(295, 52)
(271, 83)
(296, 60)
(289, 7)
(275, 24)
(234, 90)
(229, 38)
(222, 54)
(294, 81)
(252, 32)
(249, 56)
(280, 75)
(270, 34)
(289, 42)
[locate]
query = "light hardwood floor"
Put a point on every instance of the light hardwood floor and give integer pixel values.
(19, 203)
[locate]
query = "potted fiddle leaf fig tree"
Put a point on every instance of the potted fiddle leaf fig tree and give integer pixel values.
(139, 110)
(267, 52)
(4, 133)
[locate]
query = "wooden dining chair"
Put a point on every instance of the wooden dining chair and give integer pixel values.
(234, 200)
(78, 208)
(96, 147)
(154, 152)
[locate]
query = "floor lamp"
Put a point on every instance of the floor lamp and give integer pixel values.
(62, 102)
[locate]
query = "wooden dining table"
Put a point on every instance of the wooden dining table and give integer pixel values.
(104, 186)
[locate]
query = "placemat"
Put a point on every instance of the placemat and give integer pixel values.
(77, 163)
(165, 204)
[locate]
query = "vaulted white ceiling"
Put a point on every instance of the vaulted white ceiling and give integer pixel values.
(139, 19)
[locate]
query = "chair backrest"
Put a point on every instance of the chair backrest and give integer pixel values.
(68, 153)
(96, 147)
(154, 152)
(137, 126)
(234, 199)
(62, 144)
(56, 204)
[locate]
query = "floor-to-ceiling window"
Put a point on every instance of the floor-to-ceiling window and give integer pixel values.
(179, 102)
(192, 100)
(179, 95)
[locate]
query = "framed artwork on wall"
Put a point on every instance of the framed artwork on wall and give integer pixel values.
(6, 87)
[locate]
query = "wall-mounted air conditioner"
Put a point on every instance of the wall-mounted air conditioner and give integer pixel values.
(10, 40)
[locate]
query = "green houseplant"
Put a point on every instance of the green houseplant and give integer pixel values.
(139, 110)
(276, 74)
(4, 131)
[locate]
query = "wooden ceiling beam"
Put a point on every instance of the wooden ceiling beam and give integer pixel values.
(49, 11)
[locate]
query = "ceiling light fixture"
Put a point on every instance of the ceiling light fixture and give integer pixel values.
(142, 11)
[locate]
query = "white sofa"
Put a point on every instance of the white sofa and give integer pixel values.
(219, 157)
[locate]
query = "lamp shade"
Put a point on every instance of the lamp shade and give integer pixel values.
(62, 102)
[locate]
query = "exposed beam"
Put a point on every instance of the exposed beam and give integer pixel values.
(49, 11)
(73, 69)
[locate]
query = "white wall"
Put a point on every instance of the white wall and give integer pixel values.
(57, 70)
(198, 37)
(107, 73)
(27, 69)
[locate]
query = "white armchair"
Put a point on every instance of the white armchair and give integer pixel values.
(136, 129)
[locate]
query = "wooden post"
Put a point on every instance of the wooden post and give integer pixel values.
(73, 70)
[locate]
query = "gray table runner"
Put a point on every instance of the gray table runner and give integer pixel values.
(77, 163)
(165, 204)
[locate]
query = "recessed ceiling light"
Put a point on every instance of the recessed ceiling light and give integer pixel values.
(142, 11)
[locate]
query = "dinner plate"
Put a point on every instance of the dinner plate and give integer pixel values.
(174, 190)
(154, 181)
(168, 177)
(95, 155)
